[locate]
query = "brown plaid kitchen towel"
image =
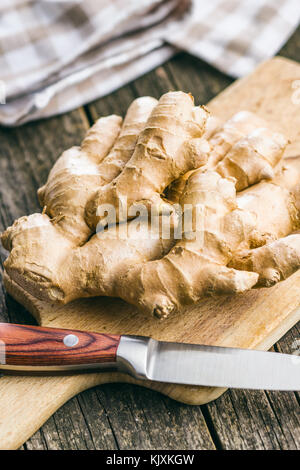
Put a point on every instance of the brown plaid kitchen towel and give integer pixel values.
(56, 55)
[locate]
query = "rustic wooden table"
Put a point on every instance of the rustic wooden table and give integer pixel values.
(119, 416)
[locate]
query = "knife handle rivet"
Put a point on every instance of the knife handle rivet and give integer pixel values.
(70, 340)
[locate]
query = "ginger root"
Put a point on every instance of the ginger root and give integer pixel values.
(195, 267)
(47, 264)
(273, 262)
(176, 158)
(243, 147)
(166, 149)
(76, 175)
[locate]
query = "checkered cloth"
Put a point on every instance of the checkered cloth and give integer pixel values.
(56, 55)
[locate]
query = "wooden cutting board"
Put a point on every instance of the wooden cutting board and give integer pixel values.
(255, 320)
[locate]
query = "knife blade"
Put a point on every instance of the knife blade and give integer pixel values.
(35, 349)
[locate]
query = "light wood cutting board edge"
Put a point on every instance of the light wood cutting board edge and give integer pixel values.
(32, 400)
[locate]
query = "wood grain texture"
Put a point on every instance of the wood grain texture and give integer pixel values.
(36, 346)
(153, 421)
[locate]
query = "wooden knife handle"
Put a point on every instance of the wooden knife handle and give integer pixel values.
(36, 348)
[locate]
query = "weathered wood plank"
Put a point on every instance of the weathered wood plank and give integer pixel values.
(154, 83)
(195, 76)
(150, 421)
(256, 420)
(45, 438)
(289, 344)
(291, 49)
(120, 416)
(115, 103)
(66, 430)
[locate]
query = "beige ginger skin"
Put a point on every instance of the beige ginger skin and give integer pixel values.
(248, 239)
(74, 272)
(243, 147)
(105, 150)
(167, 147)
(197, 268)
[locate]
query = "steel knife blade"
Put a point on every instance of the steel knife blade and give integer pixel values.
(35, 349)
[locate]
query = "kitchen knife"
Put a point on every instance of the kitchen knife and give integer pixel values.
(36, 349)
